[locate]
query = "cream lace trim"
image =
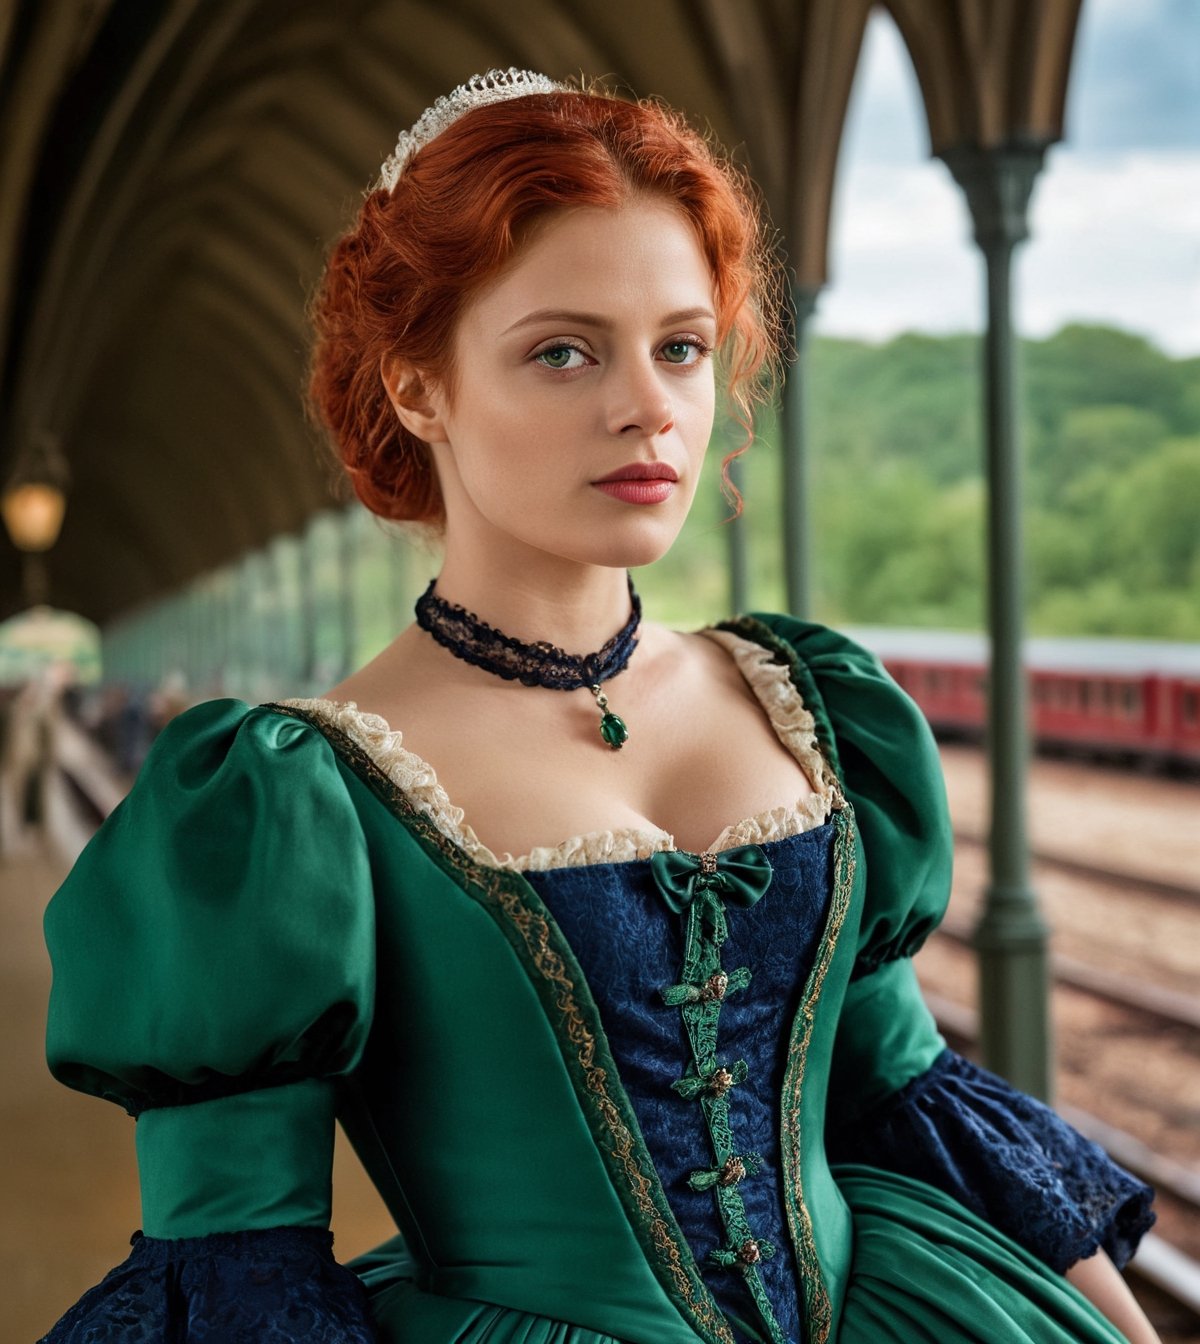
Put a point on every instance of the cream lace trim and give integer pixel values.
(418, 779)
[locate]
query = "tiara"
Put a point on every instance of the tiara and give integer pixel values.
(497, 86)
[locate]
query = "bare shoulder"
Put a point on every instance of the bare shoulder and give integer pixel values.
(402, 680)
(695, 661)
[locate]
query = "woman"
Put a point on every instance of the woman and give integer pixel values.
(592, 1077)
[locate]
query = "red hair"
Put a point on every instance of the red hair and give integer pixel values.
(396, 283)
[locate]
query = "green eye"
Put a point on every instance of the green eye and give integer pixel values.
(676, 352)
(557, 357)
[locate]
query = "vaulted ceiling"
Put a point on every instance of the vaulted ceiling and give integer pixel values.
(172, 171)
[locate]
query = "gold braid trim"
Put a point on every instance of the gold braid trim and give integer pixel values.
(820, 1311)
(534, 928)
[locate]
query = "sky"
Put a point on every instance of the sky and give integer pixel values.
(1115, 213)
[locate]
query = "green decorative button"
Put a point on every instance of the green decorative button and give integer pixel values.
(613, 730)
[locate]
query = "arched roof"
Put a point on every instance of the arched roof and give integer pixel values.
(173, 170)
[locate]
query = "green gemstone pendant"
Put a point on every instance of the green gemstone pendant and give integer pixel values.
(612, 728)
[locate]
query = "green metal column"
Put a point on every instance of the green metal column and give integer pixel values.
(224, 637)
(193, 606)
(282, 553)
(179, 640)
(265, 685)
(212, 633)
(347, 543)
(735, 536)
(277, 680)
(794, 451)
(249, 636)
(306, 593)
(1011, 936)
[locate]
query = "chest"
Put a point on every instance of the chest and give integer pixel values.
(528, 766)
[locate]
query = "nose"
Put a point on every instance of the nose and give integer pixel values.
(639, 404)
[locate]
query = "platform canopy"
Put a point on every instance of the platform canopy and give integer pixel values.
(172, 171)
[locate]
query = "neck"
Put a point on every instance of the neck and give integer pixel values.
(577, 607)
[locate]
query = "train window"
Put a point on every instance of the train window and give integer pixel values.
(1131, 700)
(1189, 707)
(1085, 694)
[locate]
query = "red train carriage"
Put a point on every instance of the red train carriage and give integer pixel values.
(1132, 699)
(1183, 710)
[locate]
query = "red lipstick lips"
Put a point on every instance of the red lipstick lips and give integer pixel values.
(641, 471)
(640, 483)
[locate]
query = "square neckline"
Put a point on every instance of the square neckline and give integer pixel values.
(769, 680)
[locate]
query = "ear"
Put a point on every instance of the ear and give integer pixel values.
(417, 406)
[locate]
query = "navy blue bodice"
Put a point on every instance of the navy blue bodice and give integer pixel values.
(630, 945)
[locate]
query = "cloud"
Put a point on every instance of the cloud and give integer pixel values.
(885, 122)
(1116, 237)
(1135, 81)
(1115, 219)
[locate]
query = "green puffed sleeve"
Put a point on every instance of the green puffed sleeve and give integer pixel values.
(887, 759)
(899, 1100)
(213, 956)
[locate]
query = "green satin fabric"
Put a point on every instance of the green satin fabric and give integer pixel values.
(258, 1159)
(925, 1269)
(741, 875)
(490, 1120)
(887, 1035)
(221, 935)
(219, 926)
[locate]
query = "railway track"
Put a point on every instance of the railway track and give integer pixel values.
(1108, 877)
(1157, 1001)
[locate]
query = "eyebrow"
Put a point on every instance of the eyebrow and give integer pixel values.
(603, 323)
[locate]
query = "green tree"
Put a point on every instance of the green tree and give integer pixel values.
(1153, 519)
(1106, 438)
(1084, 365)
(897, 492)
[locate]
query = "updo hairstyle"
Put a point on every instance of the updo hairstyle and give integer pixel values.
(397, 281)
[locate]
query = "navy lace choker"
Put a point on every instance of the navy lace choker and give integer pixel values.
(536, 664)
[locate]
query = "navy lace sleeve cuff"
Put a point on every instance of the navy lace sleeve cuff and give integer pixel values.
(281, 1284)
(1007, 1157)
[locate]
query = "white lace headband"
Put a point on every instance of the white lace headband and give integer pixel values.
(497, 86)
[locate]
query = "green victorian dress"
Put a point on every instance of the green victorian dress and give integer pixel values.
(611, 1091)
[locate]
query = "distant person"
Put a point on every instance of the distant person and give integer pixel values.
(171, 698)
(25, 764)
(593, 933)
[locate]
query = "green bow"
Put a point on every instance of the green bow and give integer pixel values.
(741, 875)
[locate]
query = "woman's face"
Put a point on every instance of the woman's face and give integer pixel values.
(589, 354)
